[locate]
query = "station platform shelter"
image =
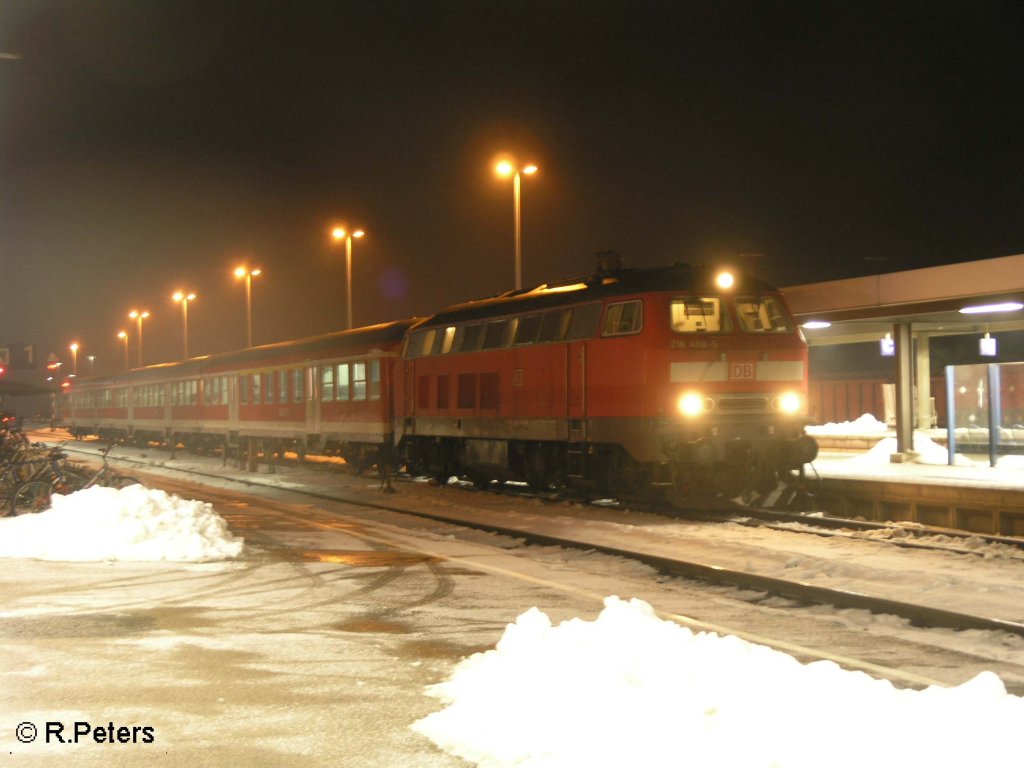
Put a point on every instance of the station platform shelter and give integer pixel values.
(903, 312)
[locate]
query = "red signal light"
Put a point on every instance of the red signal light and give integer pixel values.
(3, 369)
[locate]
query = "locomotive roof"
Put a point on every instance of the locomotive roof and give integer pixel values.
(604, 284)
(382, 335)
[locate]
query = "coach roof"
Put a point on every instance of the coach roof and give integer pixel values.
(375, 336)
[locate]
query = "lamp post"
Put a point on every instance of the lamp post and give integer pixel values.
(92, 364)
(505, 169)
(248, 274)
(74, 358)
(184, 298)
(123, 336)
(139, 317)
(340, 233)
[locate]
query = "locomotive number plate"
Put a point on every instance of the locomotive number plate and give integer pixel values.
(693, 344)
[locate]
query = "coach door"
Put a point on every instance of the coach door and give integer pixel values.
(408, 398)
(313, 423)
(576, 389)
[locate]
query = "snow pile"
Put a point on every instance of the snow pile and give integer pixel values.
(133, 523)
(927, 450)
(866, 425)
(631, 689)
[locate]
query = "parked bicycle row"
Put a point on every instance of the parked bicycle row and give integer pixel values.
(30, 473)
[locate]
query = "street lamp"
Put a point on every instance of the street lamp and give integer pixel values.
(340, 233)
(92, 364)
(123, 336)
(505, 169)
(74, 358)
(139, 317)
(248, 274)
(184, 298)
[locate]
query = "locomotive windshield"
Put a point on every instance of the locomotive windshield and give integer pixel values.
(698, 315)
(763, 314)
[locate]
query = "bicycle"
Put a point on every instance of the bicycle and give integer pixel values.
(34, 495)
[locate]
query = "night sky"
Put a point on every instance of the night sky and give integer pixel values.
(147, 146)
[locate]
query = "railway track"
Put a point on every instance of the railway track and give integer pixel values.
(908, 536)
(803, 592)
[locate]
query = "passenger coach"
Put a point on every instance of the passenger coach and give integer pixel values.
(329, 392)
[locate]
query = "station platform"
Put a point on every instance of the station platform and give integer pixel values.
(855, 476)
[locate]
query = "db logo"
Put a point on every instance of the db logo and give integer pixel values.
(741, 370)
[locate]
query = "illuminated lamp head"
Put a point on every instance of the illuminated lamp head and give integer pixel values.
(691, 404)
(789, 402)
(725, 280)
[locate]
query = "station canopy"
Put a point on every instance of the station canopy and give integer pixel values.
(932, 300)
(22, 389)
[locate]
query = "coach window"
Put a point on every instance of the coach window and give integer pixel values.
(344, 382)
(762, 314)
(269, 386)
(529, 327)
(623, 318)
(282, 386)
(297, 385)
(358, 381)
(243, 390)
(468, 338)
(697, 315)
(494, 334)
(552, 325)
(374, 380)
(256, 380)
(327, 383)
(411, 345)
(428, 342)
(583, 322)
(448, 340)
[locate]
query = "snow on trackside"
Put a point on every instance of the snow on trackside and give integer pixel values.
(864, 425)
(632, 689)
(927, 450)
(130, 524)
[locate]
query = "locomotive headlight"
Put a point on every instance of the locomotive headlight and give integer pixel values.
(789, 402)
(692, 404)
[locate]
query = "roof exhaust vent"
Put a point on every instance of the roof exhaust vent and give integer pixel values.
(608, 262)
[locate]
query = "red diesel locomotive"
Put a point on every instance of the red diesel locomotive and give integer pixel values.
(674, 380)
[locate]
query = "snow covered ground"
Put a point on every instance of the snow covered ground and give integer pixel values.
(632, 689)
(133, 523)
(626, 688)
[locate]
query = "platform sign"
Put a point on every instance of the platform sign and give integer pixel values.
(18, 355)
